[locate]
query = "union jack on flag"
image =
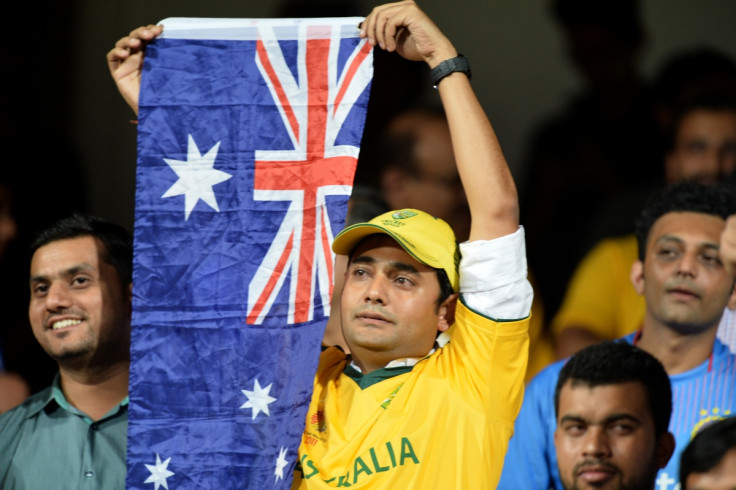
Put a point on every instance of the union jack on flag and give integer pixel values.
(249, 133)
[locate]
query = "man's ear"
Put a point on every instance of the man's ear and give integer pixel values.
(637, 276)
(732, 299)
(446, 312)
(665, 448)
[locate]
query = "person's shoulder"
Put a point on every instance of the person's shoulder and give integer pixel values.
(12, 421)
(546, 379)
(722, 353)
(29, 406)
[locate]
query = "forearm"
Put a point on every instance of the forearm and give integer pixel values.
(485, 175)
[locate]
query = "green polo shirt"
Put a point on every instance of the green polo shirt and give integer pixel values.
(47, 443)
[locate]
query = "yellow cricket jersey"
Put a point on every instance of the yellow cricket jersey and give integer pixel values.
(600, 297)
(445, 423)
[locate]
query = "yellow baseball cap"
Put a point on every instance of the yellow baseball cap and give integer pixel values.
(429, 240)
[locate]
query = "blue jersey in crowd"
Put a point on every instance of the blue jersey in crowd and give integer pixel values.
(699, 396)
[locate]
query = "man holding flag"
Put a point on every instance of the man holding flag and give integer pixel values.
(407, 408)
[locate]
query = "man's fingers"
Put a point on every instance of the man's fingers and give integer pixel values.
(389, 34)
(146, 32)
(380, 26)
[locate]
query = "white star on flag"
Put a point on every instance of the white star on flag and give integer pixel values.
(258, 399)
(280, 464)
(159, 473)
(197, 175)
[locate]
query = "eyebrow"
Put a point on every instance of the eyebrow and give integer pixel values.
(400, 266)
(615, 417)
(678, 240)
(66, 273)
(621, 416)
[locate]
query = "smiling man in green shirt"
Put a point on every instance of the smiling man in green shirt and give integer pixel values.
(73, 434)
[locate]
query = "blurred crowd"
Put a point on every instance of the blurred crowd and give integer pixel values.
(588, 171)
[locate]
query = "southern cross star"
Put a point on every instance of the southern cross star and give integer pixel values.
(159, 473)
(258, 399)
(281, 463)
(197, 175)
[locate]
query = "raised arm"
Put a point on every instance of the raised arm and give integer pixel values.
(125, 62)
(486, 178)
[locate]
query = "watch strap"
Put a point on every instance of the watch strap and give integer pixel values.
(458, 63)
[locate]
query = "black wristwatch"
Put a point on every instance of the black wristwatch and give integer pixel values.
(459, 63)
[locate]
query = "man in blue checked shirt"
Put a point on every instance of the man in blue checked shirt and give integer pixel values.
(687, 284)
(73, 434)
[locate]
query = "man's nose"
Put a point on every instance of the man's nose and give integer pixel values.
(376, 292)
(58, 296)
(688, 265)
(596, 443)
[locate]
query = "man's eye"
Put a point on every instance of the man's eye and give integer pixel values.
(404, 281)
(695, 147)
(622, 429)
(80, 281)
(729, 150)
(711, 259)
(574, 429)
(667, 253)
(39, 289)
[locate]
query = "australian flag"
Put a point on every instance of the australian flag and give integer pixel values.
(249, 132)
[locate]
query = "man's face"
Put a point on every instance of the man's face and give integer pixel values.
(605, 438)
(389, 304)
(720, 477)
(434, 186)
(705, 147)
(685, 284)
(79, 310)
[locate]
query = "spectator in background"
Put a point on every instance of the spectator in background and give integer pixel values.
(686, 285)
(604, 144)
(600, 302)
(417, 168)
(709, 461)
(687, 77)
(13, 387)
(613, 403)
(73, 434)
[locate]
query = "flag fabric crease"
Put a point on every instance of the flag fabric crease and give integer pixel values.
(249, 132)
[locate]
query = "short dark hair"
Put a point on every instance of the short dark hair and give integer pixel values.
(706, 450)
(617, 362)
(118, 242)
(445, 286)
(685, 196)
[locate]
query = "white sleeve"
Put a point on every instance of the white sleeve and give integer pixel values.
(493, 277)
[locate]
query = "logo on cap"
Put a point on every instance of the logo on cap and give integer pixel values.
(403, 214)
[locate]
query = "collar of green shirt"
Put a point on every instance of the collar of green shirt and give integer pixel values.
(56, 398)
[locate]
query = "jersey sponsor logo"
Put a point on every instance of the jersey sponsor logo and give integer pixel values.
(379, 459)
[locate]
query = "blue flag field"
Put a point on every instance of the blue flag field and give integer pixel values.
(249, 133)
